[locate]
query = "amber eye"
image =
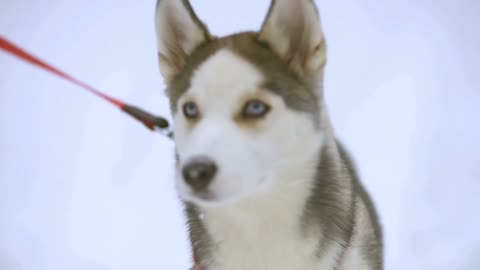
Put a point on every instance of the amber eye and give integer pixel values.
(255, 109)
(190, 110)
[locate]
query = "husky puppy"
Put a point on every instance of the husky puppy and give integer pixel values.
(266, 185)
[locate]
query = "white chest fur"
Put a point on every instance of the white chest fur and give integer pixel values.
(265, 233)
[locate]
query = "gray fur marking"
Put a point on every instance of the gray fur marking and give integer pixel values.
(373, 251)
(298, 93)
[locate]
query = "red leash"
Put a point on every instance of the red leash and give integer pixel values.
(151, 121)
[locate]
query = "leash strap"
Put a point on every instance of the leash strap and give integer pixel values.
(152, 122)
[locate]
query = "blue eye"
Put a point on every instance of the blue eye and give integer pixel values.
(190, 110)
(255, 109)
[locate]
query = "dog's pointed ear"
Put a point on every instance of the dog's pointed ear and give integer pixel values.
(293, 30)
(179, 32)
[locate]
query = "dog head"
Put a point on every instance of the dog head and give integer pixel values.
(246, 107)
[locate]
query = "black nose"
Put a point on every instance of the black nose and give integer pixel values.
(199, 172)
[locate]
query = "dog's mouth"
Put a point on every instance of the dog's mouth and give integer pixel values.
(209, 198)
(205, 195)
(201, 198)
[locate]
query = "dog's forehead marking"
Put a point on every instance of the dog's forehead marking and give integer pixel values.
(245, 51)
(225, 74)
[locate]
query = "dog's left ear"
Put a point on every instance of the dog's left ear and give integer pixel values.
(179, 33)
(292, 29)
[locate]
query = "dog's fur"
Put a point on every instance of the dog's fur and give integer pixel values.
(286, 195)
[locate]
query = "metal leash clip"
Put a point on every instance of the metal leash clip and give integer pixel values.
(152, 122)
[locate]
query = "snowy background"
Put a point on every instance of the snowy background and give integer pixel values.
(82, 186)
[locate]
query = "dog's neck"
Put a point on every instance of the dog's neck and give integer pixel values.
(281, 205)
(257, 232)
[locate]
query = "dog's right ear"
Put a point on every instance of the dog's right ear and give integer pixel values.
(179, 32)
